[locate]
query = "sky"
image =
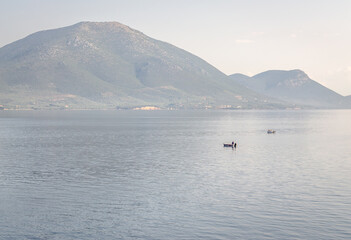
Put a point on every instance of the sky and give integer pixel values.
(235, 36)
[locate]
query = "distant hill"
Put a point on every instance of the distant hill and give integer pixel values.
(109, 65)
(240, 78)
(348, 99)
(292, 86)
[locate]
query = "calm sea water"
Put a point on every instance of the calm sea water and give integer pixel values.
(166, 175)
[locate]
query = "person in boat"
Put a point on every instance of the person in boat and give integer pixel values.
(234, 145)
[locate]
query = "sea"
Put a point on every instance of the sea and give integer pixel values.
(166, 175)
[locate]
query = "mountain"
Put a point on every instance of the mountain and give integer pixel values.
(292, 86)
(108, 65)
(348, 99)
(240, 78)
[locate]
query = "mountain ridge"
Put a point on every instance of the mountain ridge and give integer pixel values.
(109, 64)
(293, 86)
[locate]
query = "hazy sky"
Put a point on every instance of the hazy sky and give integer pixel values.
(246, 36)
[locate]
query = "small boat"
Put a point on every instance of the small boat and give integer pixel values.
(232, 145)
(228, 145)
(270, 131)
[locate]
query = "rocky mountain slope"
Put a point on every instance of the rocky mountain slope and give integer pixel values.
(292, 86)
(109, 65)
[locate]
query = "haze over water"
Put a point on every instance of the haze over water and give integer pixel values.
(166, 175)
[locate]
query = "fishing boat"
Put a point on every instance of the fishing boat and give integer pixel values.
(232, 145)
(228, 145)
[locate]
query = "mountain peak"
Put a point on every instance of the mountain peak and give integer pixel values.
(293, 86)
(289, 78)
(103, 26)
(293, 72)
(108, 64)
(296, 78)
